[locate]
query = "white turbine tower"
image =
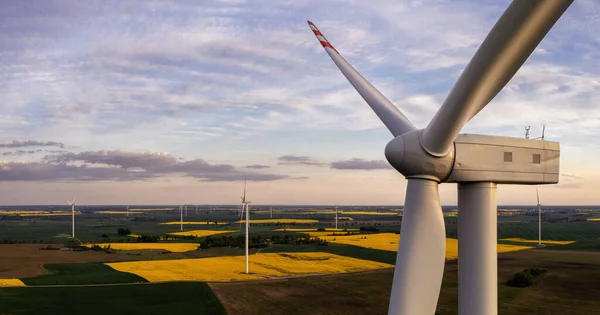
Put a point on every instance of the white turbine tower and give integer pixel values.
(271, 210)
(127, 211)
(72, 203)
(438, 154)
(336, 217)
(539, 206)
(181, 216)
(245, 206)
(185, 210)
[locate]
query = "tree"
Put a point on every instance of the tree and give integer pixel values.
(123, 231)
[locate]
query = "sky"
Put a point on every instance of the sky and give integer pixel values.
(170, 102)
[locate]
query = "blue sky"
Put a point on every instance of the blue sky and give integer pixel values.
(169, 102)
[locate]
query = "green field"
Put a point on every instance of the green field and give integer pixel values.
(147, 299)
(83, 273)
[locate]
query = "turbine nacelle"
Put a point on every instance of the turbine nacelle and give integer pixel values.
(478, 158)
(408, 157)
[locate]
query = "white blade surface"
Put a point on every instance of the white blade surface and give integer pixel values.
(510, 42)
(421, 252)
(393, 119)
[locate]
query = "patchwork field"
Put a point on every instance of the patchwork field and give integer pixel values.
(120, 212)
(195, 223)
(389, 242)
(202, 233)
(283, 221)
(172, 247)
(27, 260)
(233, 267)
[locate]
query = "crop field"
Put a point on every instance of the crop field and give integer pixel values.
(120, 212)
(11, 283)
(202, 233)
(146, 299)
(282, 221)
(232, 268)
(195, 223)
(172, 247)
(27, 260)
(84, 273)
(522, 240)
(389, 242)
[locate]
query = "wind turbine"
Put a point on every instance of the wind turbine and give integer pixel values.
(271, 210)
(185, 210)
(336, 217)
(439, 153)
(72, 203)
(245, 205)
(181, 216)
(127, 211)
(539, 206)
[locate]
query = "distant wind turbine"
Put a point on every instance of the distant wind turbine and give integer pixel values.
(336, 217)
(539, 206)
(127, 211)
(271, 209)
(72, 203)
(181, 216)
(245, 205)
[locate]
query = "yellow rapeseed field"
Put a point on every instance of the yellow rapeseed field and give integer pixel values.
(29, 213)
(119, 212)
(202, 233)
(593, 219)
(231, 268)
(11, 283)
(314, 232)
(522, 240)
(172, 247)
(340, 212)
(389, 242)
(330, 230)
(367, 213)
(194, 223)
(280, 221)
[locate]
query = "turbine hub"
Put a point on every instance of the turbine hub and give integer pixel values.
(408, 157)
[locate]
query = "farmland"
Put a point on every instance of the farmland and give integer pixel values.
(148, 246)
(232, 268)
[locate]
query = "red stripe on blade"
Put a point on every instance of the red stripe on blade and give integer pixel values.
(326, 44)
(317, 33)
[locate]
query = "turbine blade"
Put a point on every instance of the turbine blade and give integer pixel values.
(421, 251)
(510, 42)
(389, 114)
(244, 188)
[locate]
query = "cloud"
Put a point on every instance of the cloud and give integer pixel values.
(125, 166)
(297, 160)
(21, 152)
(361, 164)
(257, 166)
(31, 143)
(50, 172)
